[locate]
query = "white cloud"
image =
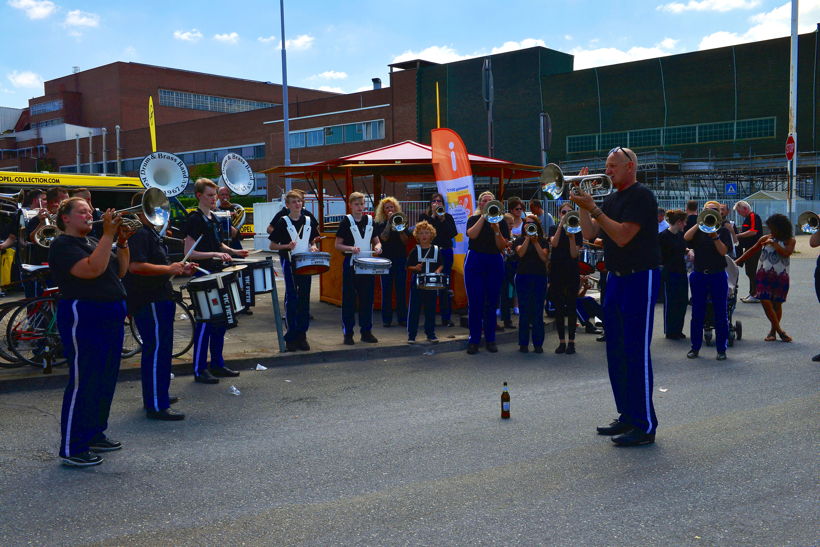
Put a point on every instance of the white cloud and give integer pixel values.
(192, 35)
(268, 40)
(34, 9)
(364, 88)
(130, 52)
(523, 44)
(227, 38)
(26, 79)
(300, 43)
(568, 37)
(767, 25)
(329, 75)
(708, 5)
(435, 54)
(77, 18)
(331, 89)
(588, 58)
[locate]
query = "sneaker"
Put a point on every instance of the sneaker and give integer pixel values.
(562, 348)
(491, 347)
(86, 459)
(105, 445)
(751, 299)
(692, 354)
(411, 340)
(472, 349)
(369, 338)
(721, 356)
(349, 340)
(432, 339)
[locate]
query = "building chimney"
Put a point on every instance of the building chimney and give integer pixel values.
(377, 83)
(75, 69)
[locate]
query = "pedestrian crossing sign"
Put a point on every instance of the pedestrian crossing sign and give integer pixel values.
(731, 188)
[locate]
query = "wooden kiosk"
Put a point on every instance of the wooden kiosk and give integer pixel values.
(401, 163)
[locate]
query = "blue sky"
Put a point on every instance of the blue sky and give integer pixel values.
(341, 45)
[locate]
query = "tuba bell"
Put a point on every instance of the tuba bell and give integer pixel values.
(557, 186)
(809, 222)
(164, 171)
(493, 211)
(237, 174)
(398, 222)
(709, 221)
(572, 222)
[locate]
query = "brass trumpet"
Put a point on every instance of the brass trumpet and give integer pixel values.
(709, 221)
(398, 222)
(572, 222)
(440, 211)
(557, 186)
(809, 222)
(531, 230)
(155, 206)
(493, 211)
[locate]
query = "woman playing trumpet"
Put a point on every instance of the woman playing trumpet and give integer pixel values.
(394, 238)
(564, 278)
(531, 284)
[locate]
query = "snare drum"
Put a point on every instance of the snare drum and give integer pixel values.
(245, 280)
(432, 281)
(371, 265)
(216, 298)
(260, 270)
(310, 263)
(588, 259)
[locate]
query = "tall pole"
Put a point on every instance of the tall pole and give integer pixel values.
(90, 152)
(793, 109)
(119, 151)
(285, 117)
(488, 94)
(77, 145)
(104, 153)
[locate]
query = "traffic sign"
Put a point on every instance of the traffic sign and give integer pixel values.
(790, 147)
(731, 189)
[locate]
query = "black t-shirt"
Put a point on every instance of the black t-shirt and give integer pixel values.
(146, 245)
(429, 253)
(706, 255)
(198, 225)
(347, 236)
(7, 227)
(530, 263)
(281, 235)
(673, 250)
(394, 247)
(561, 262)
(485, 242)
(36, 254)
(445, 229)
(635, 204)
(751, 222)
(691, 220)
(285, 211)
(65, 251)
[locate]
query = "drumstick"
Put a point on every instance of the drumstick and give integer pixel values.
(254, 251)
(188, 255)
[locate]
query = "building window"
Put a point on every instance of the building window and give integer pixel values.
(50, 106)
(582, 143)
(645, 137)
(761, 128)
(681, 134)
(710, 132)
(608, 141)
(211, 103)
(47, 123)
(337, 134)
(297, 140)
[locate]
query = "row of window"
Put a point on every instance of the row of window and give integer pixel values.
(755, 128)
(39, 151)
(47, 123)
(50, 106)
(211, 103)
(337, 134)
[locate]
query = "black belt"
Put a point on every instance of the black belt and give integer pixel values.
(624, 273)
(710, 272)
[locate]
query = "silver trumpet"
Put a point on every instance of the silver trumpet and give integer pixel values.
(493, 211)
(572, 222)
(531, 230)
(809, 222)
(398, 223)
(709, 221)
(440, 211)
(155, 206)
(557, 186)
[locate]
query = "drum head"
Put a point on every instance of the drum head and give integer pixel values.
(236, 268)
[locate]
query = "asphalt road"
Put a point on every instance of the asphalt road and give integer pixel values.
(412, 451)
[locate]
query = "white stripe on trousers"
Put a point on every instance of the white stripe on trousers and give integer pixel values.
(156, 354)
(647, 338)
(199, 347)
(76, 366)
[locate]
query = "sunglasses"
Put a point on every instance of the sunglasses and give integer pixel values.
(518, 209)
(620, 149)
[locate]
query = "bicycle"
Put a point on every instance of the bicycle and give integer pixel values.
(183, 330)
(32, 333)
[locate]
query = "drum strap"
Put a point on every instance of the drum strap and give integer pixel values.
(426, 258)
(302, 238)
(362, 242)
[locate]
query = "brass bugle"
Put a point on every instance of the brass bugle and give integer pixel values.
(709, 221)
(557, 186)
(398, 223)
(572, 222)
(809, 222)
(531, 230)
(440, 211)
(155, 206)
(493, 211)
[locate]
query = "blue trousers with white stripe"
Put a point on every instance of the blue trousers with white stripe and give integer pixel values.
(208, 336)
(297, 302)
(91, 333)
(419, 298)
(629, 312)
(357, 291)
(155, 323)
(483, 274)
(716, 286)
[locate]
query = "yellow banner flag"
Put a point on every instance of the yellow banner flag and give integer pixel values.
(152, 124)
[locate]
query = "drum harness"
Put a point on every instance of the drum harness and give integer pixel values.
(362, 242)
(302, 237)
(426, 258)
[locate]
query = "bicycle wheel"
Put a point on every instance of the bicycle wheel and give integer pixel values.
(183, 328)
(32, 332)
(7, 358)
(131, 343)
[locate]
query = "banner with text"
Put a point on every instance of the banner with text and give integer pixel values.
(454, 179)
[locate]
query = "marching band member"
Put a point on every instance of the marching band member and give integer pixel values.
(90, 318)
(709, 278)
(284, 211)
(151, 306)
(295, 233)
(210, 254)
(446, 230)
(427, 257)
(531, 285)
(628, 223)
(564, 279)
(673, 275)
(515, 222)
(85, 193)
(393, 247)
(38, 254)
(223, 203)
(483, 274)
(354, 238)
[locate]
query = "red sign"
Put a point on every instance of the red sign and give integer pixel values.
(790, 147)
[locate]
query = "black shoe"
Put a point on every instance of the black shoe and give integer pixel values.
(616, 427)
(508, 324)
(692, 354)
(246, 311)
(721, 356)
(491, 347)
(524, 349)
(677, 336)
(402, 322)
(166, 415)
(432, 339)
(447, 324)
(592, 329)
(601, 338)
(571, 348)
(634, 437)
(303, 344)
(472, 349)
(105, 445)
(816, 358)
(292, 345)
(86, 459)
(205, 377)
(387, 325)
(562, 348)
(173, 400)
(538, 349)
(349, 340)
(224, 372)
(369, 338)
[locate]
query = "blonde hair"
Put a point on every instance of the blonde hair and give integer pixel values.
(481, 195)
(355, 196)
(424, 225)
(201, 184)
(380, 216)
(711, 205)
(295, 194)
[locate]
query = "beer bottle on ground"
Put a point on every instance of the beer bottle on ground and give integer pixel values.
(505, 403)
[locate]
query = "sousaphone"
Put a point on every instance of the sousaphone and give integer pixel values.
(237, 175)
(165, 172)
